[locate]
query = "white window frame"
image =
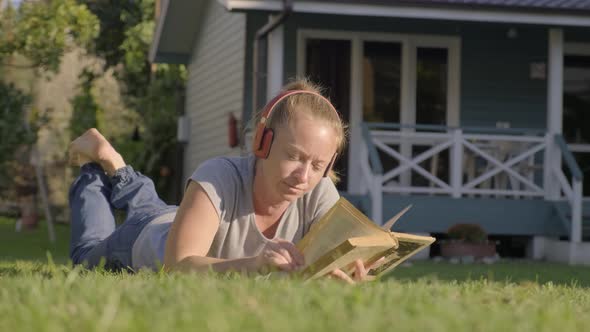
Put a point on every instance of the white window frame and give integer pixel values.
(409, 43)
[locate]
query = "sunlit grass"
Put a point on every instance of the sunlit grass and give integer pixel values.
(41, 295)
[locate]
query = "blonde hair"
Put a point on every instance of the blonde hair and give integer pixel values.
(310, 104)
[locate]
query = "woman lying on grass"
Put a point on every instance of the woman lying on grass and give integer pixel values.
(237, 213)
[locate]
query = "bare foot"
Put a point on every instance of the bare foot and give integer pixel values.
(92, 146)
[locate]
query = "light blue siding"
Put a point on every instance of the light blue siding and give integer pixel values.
(215, 83)
(496, 84)
(254, 21)
(495, 70)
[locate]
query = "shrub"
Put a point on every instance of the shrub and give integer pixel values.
(469, 233)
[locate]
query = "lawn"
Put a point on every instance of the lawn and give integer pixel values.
(41, 295)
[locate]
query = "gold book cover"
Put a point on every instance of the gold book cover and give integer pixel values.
(344, 234)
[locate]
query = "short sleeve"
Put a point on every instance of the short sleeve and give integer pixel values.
(219, 179)
(320, 200)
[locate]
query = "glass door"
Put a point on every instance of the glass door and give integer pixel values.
(382, 89)
(431, 106)
(382, 81)
(431, 85)
(383, 85)
(327, 62)
(396, 78)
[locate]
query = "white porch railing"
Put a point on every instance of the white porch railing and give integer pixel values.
(461, 162)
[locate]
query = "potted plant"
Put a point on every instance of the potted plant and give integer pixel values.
(467, 240)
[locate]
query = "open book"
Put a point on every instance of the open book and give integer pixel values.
(344, 234)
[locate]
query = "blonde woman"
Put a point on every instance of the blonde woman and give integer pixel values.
(237, 213)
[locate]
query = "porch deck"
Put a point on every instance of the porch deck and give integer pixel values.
(512, 182)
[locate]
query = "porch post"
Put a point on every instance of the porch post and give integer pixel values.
(377, 199)
(408, 105)
(275, 56)
(457, 163)
(554, 112)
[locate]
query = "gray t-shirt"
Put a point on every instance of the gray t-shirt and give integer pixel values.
(228, 183)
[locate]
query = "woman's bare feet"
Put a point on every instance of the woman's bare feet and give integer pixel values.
(93, 147)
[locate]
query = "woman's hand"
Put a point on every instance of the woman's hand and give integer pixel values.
(282, 254)
(360, 271)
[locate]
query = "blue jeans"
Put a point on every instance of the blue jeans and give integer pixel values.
(93, 197)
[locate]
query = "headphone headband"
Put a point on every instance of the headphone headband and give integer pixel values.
(267, 111)
(264, 136)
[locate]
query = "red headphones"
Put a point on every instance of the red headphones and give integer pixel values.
(264, 136)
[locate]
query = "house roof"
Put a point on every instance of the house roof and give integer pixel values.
(176, 29)
(561, 5)
(178, 25)
(437, 9)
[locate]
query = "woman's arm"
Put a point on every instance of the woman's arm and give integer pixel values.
(192, 233)
(193, 229)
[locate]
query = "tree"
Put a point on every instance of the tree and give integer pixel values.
(42, 32)
(13, 132)
(152, 91)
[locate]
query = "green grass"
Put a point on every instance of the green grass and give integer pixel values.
(37, 295)
(32, 244)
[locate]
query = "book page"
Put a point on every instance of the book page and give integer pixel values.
(344, 255)
(409, 245)
(345, 234)
(341, 222)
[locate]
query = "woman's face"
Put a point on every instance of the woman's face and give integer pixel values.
(298, 158)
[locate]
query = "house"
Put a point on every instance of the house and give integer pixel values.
(472, 111)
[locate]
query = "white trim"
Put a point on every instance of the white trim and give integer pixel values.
(505, 166)
(417, 12)
(565, 186)
(275, 54)
(414, 163)
(554, 111)
(555, 81)
(456, 162)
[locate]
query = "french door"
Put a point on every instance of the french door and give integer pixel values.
(408, 79)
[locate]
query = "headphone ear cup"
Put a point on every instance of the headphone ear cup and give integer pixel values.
(266, 143)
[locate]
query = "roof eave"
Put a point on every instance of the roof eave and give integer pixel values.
(174, 35)
(456, 13)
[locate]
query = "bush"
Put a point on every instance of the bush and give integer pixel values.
(469, 233)
(15, 137)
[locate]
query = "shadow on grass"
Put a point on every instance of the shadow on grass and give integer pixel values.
(508, 271)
